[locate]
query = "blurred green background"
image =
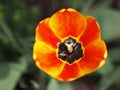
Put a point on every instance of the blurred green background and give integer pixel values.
(18, 20)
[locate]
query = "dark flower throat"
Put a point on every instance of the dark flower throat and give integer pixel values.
(70, 50)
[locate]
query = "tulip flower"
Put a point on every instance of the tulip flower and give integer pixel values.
(68, 45)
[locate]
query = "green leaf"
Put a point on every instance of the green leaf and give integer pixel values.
(110, 79)
(8, 33)
(74, 3)
(114, 54)
(10, 73)
(109, 21)
(2, 36)
(67, 86)
(87, 5)
(55, 85)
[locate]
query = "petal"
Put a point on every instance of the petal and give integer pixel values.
(92, 31)
(70, 72)
(44, 33)
(45, 58)
(68, 22)
(94, 56)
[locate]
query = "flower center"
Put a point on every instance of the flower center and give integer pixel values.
(69, 50)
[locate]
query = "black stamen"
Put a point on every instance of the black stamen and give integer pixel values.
(70, 56)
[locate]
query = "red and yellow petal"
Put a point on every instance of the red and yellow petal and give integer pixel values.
(45, 34)
(68, 22)
(92, 31)
(70, 72)
(94, 56)
(46, 60)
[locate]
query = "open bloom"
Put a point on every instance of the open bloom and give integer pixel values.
(68, 45)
